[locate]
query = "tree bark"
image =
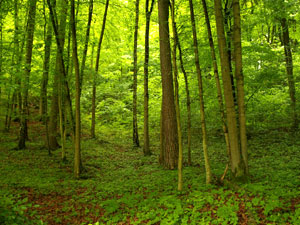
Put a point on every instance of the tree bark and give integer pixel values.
(96, 71)
(146, 75)
(86, 43)
(77, 159)
(59, 75)
(228, 29)
(177, 108)
(240, 81)
(200, 86)
(235, 155)
(188, 99)
(289, 69)
(135, 136)
(46, 66)
(216, 73)
(169, 124)
(28, 58)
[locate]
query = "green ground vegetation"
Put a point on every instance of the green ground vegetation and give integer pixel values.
(121, 186)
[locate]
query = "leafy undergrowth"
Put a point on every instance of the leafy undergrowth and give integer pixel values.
(121, 186)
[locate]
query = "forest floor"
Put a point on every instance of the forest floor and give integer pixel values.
(121, 186)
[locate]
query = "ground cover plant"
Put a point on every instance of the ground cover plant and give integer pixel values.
(121, 186)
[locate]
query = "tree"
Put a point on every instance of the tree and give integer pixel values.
(169, 149)
(146, 75)
(177, 108)
(188, 98)
(77, 155)
(59, 75)
(96, 71)
(86, 43)
(237, 167)
(216, 73)
(135, 136)
(289, 69)
(27, 69)
(46, 66)
(200, 86)
(240, 81)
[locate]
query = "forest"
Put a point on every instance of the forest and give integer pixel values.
(149, 112)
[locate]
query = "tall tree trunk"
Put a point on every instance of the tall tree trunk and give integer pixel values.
(1, 44)
(228, 29)
(46, 66)
(289, 69)
(135, 136)
(15, 65)
(236, 162)
(97, 69)
(86, 43)
(216, 73)
(240, 81)
(188, 99)
(200, 86)
(177, 108)
(28, 57)
(146, 75)
(54, 111)
(18, 55)
(169, 124)
(77, 159)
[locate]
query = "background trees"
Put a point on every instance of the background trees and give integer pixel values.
(258, 44)
(66, 83)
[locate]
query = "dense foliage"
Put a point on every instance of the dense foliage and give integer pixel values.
(116, 183)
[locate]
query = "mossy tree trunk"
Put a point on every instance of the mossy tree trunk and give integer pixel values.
(240, 81)
(237, 167)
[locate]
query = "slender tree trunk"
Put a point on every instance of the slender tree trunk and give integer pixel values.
(146, 75)
(46, 66)
(28, 57)
(62, 115)
(1, 44)
(240, 81)
(169, 124)
(289, 69)
(54, 111)
(18, 56)
(175, 76)
(235, 155)
(161, 138)
(216, 73)
(97, 69)
(77, 159)
(86, 43)
(202, 112)
(136, 142)
(228, 29)
(188, 99)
